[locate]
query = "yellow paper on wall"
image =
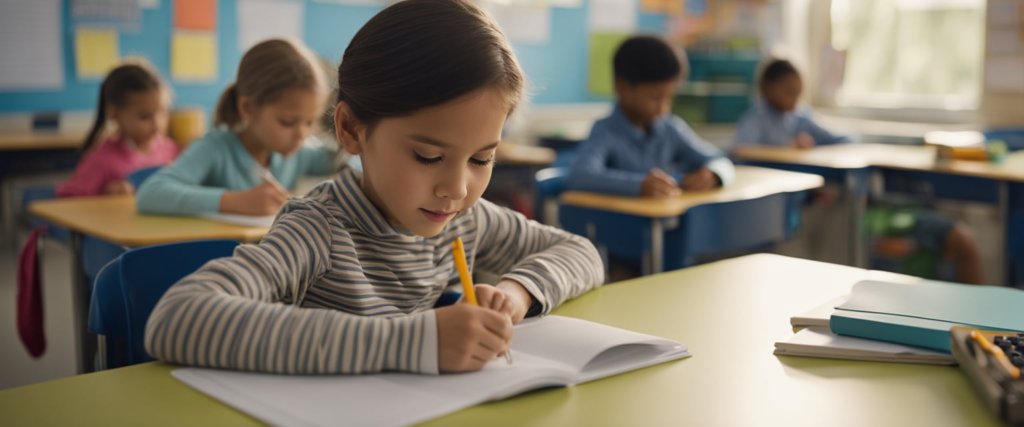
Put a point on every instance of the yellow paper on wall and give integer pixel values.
(194, 56)
(96, 52)
(602, 50)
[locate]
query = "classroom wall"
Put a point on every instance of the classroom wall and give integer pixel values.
(557, 70)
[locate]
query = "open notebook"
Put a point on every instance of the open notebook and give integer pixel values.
(552, 351)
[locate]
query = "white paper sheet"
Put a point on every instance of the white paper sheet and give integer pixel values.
(249, 221)
(820, 342)
(260, 20)
(613, 15)
(31, 47)
(523, 24)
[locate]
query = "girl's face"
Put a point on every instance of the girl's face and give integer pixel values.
(143, 116)
(281, 125)
(423, 169)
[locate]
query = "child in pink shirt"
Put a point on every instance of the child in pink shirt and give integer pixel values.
(136, 100)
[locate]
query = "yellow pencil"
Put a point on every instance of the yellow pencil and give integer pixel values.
(459, 254)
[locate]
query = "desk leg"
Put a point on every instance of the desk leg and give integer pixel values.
(1004, 220)
(857, 201)
(80, 300)
(657, 246)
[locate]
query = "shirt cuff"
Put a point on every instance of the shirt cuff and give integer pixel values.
(532, 288)
(724, 169)
(428, 352)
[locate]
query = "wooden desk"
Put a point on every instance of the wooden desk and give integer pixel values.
(41, 141)
(115, 219)
(906, 157)
(524, 155)
(729, 313)
(751, 183)
(865, 157)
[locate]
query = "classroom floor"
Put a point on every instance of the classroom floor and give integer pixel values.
(17, 368)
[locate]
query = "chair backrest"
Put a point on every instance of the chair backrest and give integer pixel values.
(550, 183)
(96, 254)
(138, 177)
(147, 273)
(729, 226)
(107, 316)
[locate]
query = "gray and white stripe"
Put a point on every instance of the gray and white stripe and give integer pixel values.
(334, 288)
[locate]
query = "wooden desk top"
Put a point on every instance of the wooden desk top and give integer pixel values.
(524, 155)
(115, 219)
(729, 313)
(751, 183)
(41, 141)
(907, 157)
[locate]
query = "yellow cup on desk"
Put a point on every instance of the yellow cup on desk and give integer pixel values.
(186, 125)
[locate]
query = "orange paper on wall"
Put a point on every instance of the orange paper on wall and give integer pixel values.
(195, 14)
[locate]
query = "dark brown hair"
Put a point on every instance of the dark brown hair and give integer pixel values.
(267, 70)
(421, 53)
(134, 77)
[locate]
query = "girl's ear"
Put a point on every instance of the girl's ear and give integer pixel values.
(246, 110)
(350, 132)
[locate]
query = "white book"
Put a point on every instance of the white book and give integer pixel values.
(246, 220)
(551, 351)
(819, 316)
(818, 342)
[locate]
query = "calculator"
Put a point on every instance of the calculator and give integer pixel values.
(994, 363)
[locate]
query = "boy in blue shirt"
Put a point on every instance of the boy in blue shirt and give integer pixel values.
(777, 120)
(641, 149)
(917, 236)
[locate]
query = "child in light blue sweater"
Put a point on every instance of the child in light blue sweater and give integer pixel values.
(265, 120)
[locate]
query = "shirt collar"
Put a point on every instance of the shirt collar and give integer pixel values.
(358, 207)
(634, 133)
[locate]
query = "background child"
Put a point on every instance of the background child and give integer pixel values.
(642, 149)
(265, 118)
(136, 100)
(777, 120)
(346, 279)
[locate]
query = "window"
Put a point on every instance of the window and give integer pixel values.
(910, 53)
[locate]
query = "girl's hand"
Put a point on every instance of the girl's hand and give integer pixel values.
(119, 188)
(264, 199)
(508, 298)
(469, 336)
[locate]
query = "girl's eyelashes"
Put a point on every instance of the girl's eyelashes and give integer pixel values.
(427, 161)
(434, 160)
(481, 163)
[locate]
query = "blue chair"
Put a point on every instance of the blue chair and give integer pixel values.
(704, 230)
(550, 184)
(144, 275)
(96, 254)
(107, 315)
(138, 177)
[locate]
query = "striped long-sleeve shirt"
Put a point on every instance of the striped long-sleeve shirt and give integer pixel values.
(334, 288)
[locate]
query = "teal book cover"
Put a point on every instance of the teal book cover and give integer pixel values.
(922, 314)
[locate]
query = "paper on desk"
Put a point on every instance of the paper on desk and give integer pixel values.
(246, 220)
